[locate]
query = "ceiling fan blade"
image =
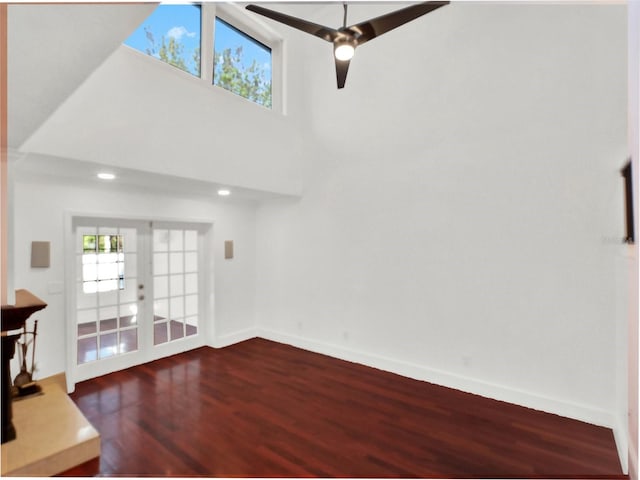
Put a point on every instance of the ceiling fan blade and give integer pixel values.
(326, 33)
(375, 27)
(342, 67)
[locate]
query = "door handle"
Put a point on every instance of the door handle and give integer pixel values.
(141, 297)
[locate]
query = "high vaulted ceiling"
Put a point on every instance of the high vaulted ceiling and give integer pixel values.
(53, 49)
(464, 71)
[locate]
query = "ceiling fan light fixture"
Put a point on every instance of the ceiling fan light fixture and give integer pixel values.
(346, 38)
(344, 51)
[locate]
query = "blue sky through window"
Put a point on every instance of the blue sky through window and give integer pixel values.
(227, 36)
(178, 22)
(172, 33)
(242, 64)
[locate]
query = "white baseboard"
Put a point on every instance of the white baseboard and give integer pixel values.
(584, 413)
(235, 337)
(621, 435)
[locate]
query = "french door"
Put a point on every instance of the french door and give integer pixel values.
(137, 294)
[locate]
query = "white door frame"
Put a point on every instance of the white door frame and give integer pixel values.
(119, 361)
(206, 290)
(186, 343)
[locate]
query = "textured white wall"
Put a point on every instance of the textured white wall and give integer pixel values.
(464, 215)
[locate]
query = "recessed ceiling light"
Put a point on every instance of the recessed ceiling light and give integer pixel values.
(223, 192)
(106, 176)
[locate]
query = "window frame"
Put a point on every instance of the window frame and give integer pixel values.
(232, 30)
(250, 25)
(200, 7)
(255, 28)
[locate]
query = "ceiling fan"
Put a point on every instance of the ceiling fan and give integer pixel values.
(346, 39)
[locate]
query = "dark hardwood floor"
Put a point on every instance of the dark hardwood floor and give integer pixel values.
(263, 409)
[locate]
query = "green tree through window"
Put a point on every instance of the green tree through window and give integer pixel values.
(171, 51)
(242, 65)
(171, 34)
(102, 263)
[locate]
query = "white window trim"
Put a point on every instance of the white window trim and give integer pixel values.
(247, 23)
(255, 28)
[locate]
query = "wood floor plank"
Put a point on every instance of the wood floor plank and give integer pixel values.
(264, 409)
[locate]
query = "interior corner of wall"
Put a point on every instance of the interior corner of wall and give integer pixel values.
(622, 441)
(221, 341)
(632, 469)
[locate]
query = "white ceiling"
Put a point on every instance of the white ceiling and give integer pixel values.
(53, 49)
(38, 167)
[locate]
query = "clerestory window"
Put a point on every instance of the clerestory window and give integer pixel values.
(171, 34)
(241, 55)
(241, 64)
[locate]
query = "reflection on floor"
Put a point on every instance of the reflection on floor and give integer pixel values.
(260, 409)
(163, 331)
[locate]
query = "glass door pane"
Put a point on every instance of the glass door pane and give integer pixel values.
(175, 284)
(106, 292)
(117, 264)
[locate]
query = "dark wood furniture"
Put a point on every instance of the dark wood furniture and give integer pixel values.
(13, 319)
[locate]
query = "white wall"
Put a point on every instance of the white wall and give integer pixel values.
(631, 268)
(40, 206)
(136, 110)
(102, 28)
(460, 220)
(464, 215)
